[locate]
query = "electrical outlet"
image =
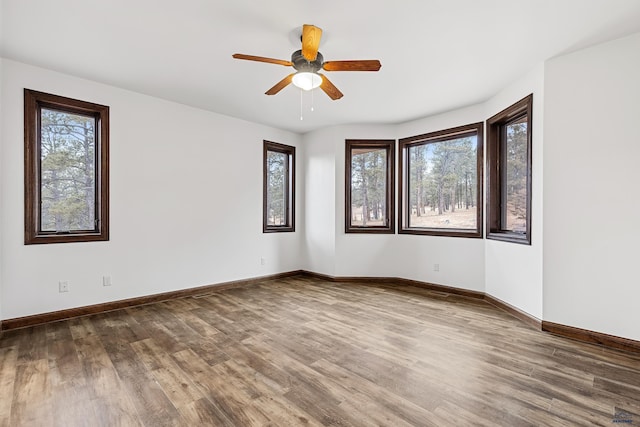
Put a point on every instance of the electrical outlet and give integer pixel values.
(436, 267)
(263, 261)
(63, 286)
(106, 280)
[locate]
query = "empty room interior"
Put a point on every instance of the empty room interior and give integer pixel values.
(235, 213)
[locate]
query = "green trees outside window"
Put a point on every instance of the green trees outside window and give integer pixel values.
(369, 178)
(278, 187)
(67, 170)
(441, 182)
(515, 179)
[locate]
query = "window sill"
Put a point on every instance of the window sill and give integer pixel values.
(522, 239)
(442, 232)
(279, 230)
(369, 230)
(65, 238)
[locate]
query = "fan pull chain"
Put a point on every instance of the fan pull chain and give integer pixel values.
(301, 118)
(312, 91)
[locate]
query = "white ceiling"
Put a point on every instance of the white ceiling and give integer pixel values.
(436, 55)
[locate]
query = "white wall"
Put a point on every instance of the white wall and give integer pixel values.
(591, 196)
(513, 272)
(2, 183)
(186, 202)
(319, 197)
(359, 255)
(461, 260)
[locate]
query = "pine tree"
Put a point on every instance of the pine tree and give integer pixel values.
(67, 171)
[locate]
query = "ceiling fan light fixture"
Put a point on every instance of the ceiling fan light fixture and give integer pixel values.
(308, 62)
(306, 80)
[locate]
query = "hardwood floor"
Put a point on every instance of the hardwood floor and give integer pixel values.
(303, 351)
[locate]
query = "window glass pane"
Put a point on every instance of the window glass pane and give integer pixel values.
(515, 185)
(442, 184)
(277, 183)
(368, 187)
(68, 170)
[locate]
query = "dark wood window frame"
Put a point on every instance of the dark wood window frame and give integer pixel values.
(496, 126)
(390, 146)
(290, 205)
(33, 103)
(476, 129)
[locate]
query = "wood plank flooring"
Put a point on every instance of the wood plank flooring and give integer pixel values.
(308, 352)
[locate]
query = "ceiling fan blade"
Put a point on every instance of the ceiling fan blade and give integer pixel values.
(310, 41)
(280, 85)
(262, 59)
(367, 65)
(329, 88)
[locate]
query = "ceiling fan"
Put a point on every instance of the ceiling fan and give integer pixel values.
(308, 61)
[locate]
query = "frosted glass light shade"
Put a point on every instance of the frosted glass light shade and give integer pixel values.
(307, 81)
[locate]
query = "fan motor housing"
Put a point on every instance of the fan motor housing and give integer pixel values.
(300, 63)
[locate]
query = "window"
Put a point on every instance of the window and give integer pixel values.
(509, 173)
(369, 191)
(279, 187)
(441, 183)
(66, 169)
